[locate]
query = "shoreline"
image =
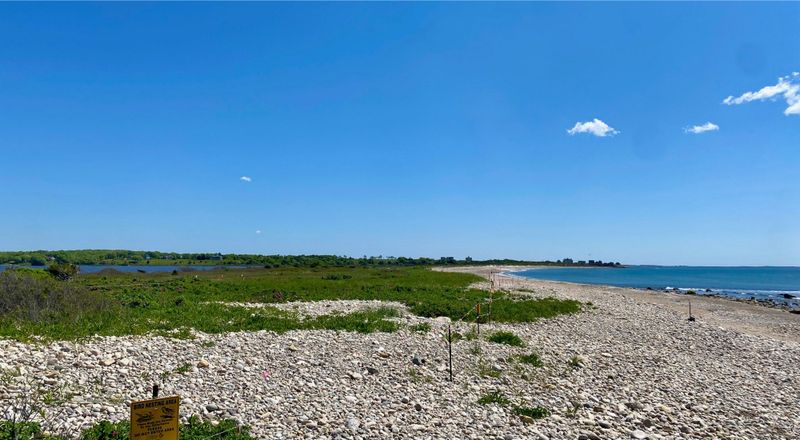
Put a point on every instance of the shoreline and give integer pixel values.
(705, 292)
(744, 316)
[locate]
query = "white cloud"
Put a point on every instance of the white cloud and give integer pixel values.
(595, 127)
(788, 88)
(258, 231)
(697, 129)
(246, 179)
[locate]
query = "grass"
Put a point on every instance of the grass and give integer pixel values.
(532, 359)
(494, 397)
(485, 370)
(415, 376)
(506, 338)
(536, 412)
(575, 362)
(475, 348)
(497, 398)
(422, 327)
(115, 304)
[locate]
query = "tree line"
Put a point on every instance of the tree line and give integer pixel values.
(128, 257)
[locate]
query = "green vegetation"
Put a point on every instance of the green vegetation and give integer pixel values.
(485, 370)
(506, 338)
(194, 429)
(127, 257)
(536, 412)
(32, 303)
(19, 430)
(422, 327)
(495, 397)
(532, 359)
(62, 271)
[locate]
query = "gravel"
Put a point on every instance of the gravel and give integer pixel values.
(645, 373)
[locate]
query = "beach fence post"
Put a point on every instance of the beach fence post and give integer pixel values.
(691, 318)
(450, 352)
(155, 391)
(478, 319)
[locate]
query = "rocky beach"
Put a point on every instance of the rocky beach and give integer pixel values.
(630, 365)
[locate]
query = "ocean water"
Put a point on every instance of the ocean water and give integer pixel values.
(774, 284)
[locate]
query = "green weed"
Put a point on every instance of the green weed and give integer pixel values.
(422, 327)
(532, 359)
(495, 397)
(506, 338)
(536, 412)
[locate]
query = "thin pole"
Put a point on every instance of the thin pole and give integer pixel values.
(450, 352)
(478, 319)
(155, 391)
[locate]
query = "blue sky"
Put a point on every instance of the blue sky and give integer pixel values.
(404, 129)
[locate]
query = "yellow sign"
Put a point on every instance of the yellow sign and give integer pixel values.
(155, 419)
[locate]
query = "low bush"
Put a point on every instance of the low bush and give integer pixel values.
(62, 271)
(506, 338)
(26, 298)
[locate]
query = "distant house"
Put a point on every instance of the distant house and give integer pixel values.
(567, 261)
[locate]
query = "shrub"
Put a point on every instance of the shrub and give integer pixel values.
(336, 276)
(19, 430)
(62, 271)
(506, 338)
(33, 299)
(135, 300)
(495, 397)
(532, 359)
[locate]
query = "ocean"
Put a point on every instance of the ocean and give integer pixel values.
(779, 285)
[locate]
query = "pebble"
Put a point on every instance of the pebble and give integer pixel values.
(644, 368)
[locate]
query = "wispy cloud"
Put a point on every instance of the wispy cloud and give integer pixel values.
(697, 129)
(246, 179)
(258, 231)
(788, 88)
(595, 127)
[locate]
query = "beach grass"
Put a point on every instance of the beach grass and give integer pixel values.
(32, 305)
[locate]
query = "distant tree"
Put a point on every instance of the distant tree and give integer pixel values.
(37, 261)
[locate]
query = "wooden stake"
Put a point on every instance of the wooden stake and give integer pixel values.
(155, 391)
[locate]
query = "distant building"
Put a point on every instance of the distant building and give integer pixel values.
(567, 261)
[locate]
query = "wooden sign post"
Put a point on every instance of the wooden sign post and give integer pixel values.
(155, 419)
